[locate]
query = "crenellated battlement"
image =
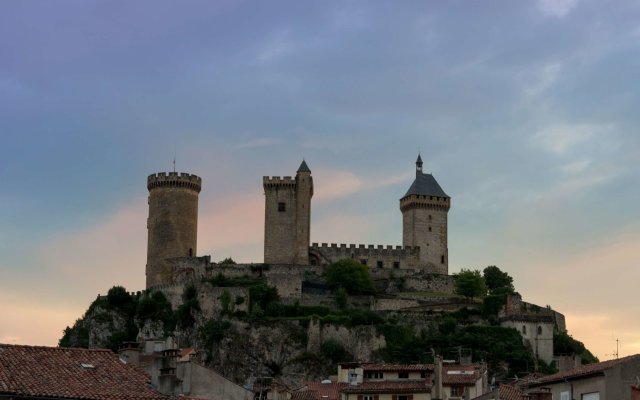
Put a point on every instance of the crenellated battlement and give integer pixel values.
(369, 249)
(427, 202)
(277, 181)
(174, 180)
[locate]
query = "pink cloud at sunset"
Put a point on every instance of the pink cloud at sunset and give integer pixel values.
(592, 287)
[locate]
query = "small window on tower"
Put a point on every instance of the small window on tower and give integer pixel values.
(396, 264)
(441, 259)
(430, 217)
(379, 264)
(282, 207)
(429, 229)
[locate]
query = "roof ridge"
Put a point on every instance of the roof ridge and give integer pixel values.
(58, 348)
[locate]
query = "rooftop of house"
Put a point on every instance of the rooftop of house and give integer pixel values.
(404, 386)
(54, 372)
(396, 367)
(585, 370)
(460, 374)
(325, 390)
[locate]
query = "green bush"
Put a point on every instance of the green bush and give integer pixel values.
(469, 284)
(155, 307)
(184, 315)
(351, 275)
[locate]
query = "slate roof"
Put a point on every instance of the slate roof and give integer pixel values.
(404, 386)
(303, 167)
(65, 373)
(585, 370)
(425, 185)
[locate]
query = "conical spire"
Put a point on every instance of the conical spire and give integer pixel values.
(419, 164)
(303, 167)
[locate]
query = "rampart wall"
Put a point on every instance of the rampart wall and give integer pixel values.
(374, 256)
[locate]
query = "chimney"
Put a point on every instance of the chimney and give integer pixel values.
(437, 385)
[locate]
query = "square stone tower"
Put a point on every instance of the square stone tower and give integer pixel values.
(424, 208)
(287, 217)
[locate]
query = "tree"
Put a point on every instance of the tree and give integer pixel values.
(469, 283)
(351, 275)
(496, 279)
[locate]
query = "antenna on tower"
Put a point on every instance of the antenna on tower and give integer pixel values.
(174, 158)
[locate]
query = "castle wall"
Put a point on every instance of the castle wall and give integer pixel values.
(536, 332)
(430, 283)
(374, 257)
(172, 224)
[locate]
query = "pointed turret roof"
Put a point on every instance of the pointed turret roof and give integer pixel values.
(303, 167)
(424, 184)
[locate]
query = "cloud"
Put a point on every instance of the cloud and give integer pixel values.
(342, 228)
(542, 79)
(232, 225)
(560, 139)
(592, 287)
(276, 46)
(335, 184)
(557, 8)
(74, 268)
(257, 142)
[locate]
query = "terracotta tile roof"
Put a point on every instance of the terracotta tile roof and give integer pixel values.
(71, 374)
(404, 386)
(397, 367)
(460, 375)
(304, 394)
(330, 390)
(584, 370)
(511, 393)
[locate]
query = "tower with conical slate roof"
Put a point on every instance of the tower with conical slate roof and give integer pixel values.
(424, 220)
(287, 220)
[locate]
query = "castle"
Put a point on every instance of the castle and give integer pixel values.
(421, 263)
(173, 220)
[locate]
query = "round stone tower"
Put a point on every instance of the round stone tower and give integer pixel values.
(172, 224)
(424, 221)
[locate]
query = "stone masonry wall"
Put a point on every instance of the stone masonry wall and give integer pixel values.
(172, 224)
(375, 257)
(279, 219)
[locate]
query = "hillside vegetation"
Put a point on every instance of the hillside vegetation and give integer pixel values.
(271, 338)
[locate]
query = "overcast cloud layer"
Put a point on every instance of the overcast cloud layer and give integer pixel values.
(525, 111)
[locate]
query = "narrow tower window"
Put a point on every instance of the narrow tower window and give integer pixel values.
(539, 330)
(524, 329)
(442, 259)
(190, 252)
(282, 207)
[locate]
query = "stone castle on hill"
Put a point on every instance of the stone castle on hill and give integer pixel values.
(412, 278)
(173, 221)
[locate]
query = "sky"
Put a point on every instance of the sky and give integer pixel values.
(524, 111)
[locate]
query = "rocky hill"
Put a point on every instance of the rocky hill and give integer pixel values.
(243, 328)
